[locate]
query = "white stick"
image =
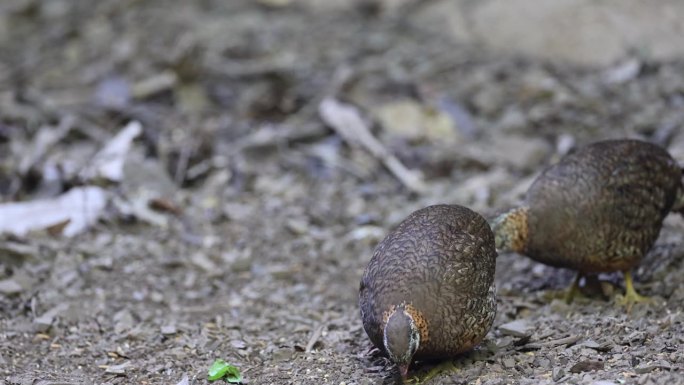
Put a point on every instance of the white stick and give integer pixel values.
(346, 120)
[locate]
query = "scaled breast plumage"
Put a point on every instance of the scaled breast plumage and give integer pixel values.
(439, 263)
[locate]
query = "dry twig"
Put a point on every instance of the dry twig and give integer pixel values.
(314, 338)
(346, 120)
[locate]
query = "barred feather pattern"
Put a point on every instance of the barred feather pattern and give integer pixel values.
(439, 262)
(601, 208)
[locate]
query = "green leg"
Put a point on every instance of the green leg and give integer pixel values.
(568, 294)
(631, 296)
(574, 289)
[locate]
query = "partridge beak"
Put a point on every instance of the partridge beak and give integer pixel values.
(403, 370)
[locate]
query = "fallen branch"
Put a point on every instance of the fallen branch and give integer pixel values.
(346, 120)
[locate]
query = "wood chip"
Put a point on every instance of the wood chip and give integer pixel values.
(314, 338)
(160, 82)
(118, 369)
(586, 366)
(80, 207)
(553, 343)
(10, 286)
(108, 163)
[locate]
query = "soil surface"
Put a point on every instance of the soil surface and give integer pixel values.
(245, 217)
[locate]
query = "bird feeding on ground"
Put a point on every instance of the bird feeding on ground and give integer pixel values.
(428, 290)
(599, 209)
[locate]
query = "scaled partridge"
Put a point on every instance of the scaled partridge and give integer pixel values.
(428, 290)
(599, 209)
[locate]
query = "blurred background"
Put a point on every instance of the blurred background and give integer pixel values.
(182, 181)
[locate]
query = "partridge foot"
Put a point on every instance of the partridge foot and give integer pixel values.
(631, 296)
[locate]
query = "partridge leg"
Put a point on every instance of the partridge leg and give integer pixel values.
(566, 294)
(631, 296)
(574, 289)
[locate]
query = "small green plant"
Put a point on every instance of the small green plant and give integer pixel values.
(220, 369)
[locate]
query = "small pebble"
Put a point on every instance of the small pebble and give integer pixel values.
(42, 324)
(517, 328)
(118, 369)
(544, 363)
(184, 380)
(504, 342)
(282, 354)
(10, 286)
(168, 329)
(557, 373)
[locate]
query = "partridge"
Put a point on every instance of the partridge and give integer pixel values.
(428, 290)
(599, 209)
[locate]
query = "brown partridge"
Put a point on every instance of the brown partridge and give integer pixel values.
(599, 209)
(428, 290)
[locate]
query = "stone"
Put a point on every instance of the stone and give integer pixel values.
(518, 328)
(584, 32)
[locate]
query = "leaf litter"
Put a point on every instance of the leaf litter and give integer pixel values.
(281, 186)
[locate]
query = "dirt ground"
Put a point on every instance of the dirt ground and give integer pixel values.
(265, 214)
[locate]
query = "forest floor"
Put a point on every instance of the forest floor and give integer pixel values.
(252, 198)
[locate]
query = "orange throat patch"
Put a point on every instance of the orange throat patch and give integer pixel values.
(519, 242)
(513, 229)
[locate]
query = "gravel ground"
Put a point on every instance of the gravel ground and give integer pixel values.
(265, 216)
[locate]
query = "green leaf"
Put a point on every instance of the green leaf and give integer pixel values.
(220, 369)
(217, 370)
(233, 375)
